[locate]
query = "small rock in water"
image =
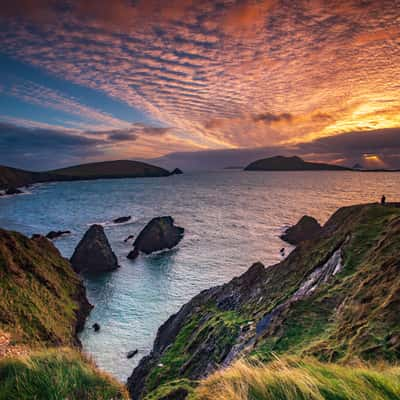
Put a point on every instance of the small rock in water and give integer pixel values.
(159, 234)
(129, 238)
(96, 327)
(306, 229)
(132, 353)
(177, 171)
(121, 220)
(56, 234)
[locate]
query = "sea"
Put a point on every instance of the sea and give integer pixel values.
(232, 219)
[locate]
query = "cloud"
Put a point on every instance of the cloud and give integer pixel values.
(271, 118)
(345, 149)
(44, 147)
(226, 74)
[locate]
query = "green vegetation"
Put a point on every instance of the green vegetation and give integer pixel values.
(181, 359)
(43, 305)
(349, 316)
(42, 300)
(308, 379)
(56, 375)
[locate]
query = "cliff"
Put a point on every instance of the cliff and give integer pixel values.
(14, 177)
(43, 306)
(335, 298)
(280, 163)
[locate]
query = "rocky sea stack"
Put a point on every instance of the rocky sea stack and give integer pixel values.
(159, 234)
(307, 228)
(177, 171)
(93, 253)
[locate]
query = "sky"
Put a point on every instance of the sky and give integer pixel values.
(199, 84)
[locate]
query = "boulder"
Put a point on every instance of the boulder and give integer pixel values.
(56, 234)
(132, 353)
(13, 190)
(177, 171)
(96, 327)
(307, 228)
(93, 253)
(159, 234)
(121, 220)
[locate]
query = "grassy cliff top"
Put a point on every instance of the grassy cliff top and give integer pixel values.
(42, 300)
(56, 375)
(292, 379)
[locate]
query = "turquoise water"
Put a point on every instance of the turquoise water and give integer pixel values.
(231, 219)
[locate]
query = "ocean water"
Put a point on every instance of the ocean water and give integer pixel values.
(231, 219)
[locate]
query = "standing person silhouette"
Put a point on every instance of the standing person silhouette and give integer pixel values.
(383, 200)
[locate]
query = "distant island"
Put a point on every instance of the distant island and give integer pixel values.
(14, 178)
(281, 163)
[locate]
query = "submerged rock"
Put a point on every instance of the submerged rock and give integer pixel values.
(128, 238)
(56, 234)
(177, 171)
(93, 253)
(121, 220)
(159, 234)
(307, 228)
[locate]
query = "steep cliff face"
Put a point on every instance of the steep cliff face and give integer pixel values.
(43, 306)
(42, 300)
(336, 298)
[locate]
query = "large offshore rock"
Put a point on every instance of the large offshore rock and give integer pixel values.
(159, 234)
(93, 253)
(307, 228)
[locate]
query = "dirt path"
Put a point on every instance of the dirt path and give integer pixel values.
(9, 350)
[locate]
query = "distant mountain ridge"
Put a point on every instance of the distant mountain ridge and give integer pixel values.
(14, 177)
(281, 163)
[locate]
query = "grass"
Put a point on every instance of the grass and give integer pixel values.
(291, 379)
(38, 292)
(180, 360)
(57, 374)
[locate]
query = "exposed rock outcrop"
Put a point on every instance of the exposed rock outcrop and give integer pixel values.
(307, 228)
(159, 234)
(56, 234)
(93, 253)
(121, 220)
(13, 190)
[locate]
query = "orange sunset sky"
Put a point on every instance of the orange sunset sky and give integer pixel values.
(215, 81)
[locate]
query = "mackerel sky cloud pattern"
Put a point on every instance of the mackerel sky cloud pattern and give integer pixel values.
(207, 75)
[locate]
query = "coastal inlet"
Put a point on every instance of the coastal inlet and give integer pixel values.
(231, 219)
